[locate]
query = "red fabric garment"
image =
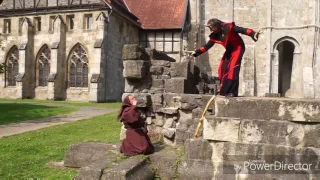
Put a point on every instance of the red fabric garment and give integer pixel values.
(137, 141)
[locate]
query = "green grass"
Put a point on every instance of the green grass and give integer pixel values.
(24, 156)
(75, 103)
(13, 113)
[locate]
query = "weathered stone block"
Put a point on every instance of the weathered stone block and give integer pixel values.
(205, 100)
(156, 90)
(169, 132)
(269, 132)
(268, 108)
(166, 71)
(149, 120)
(197, 113)
(180, 69)
(310, 136)
(133, 52)
(198, 149)
(162, 63)
(157, 98)
(89, 153)
(157, 107)
(158, 83)
(220, 129)
(135, 69)
(133, 168)
(184, 115)
(155, 133)
(190, 101)
(170, 110)
(182, 135)
(185, 123)
(89, 173)
(168, 123)
(190, 169)
(158, 121)
(176, 85)
(156, 70)
(165, 164)
(164, 77)
(171, 100)
(143, 99)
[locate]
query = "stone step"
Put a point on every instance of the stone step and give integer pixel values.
(224, 159)
(294, 134)
(201, 149)
(165, 163)
(133, 168)
(266, 108)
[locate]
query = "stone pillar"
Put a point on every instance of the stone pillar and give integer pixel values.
(274, 72)
(96, 92)
(269, 49)
(58, 63)
(19, 90)
(53, 71)
(95, 73)
(22, 67)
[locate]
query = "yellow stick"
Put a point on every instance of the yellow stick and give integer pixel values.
(203, 115)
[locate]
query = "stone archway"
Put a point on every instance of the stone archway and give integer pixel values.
(286, 68)
(286, 50)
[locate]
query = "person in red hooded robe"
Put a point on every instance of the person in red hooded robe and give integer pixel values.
(227, 35)
(137, 140)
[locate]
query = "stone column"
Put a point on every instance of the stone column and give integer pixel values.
(96, 92)
(22, 67)
(95, 73)
(274, 72)
(53, 71)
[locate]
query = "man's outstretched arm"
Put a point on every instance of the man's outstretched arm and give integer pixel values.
(203, 49)
(246, 31)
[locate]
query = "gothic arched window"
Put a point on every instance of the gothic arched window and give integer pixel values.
(44, 65)
(78, 61)
(12, 66)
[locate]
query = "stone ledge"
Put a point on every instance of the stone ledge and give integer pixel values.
(268, 108)
(275, 132)
(133, 168)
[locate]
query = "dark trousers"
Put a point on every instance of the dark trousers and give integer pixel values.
(229, 70)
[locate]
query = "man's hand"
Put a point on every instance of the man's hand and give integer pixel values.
(256, 35)
(193, 53)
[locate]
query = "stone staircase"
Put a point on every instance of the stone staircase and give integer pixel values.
(248, 133)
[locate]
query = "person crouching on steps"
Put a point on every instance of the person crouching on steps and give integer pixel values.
(227, 34)
(137, 140)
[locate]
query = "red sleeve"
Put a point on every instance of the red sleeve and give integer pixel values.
(131, 115)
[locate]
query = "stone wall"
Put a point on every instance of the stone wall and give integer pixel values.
(119, 33)
(167, 92)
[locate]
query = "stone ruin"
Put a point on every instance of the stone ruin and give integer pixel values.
(171, 96)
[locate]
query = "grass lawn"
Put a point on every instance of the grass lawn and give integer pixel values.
(75, 103)
(13, 113)
(25, 155)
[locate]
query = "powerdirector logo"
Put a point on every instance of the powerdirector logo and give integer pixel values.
(280, 164)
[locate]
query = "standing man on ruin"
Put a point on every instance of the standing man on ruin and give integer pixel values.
(227, 35)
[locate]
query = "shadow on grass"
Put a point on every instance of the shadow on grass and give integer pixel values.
(13, 113)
